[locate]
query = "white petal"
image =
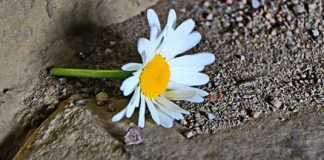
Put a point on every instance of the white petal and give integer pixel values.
(137, 73)
(131, 66)
(129, 85)
(151, 49)
(141, 117)
(154, 33)
(179, 94)
(171, 113)
(198, 59)
(119, 115)
(172, 18)
(137, 99)
(184, 28)
(153, 19)
(142, 46)
(165, 120)
(152, 110)
(196, 99)
(189, 78)
(164, 41)
(180, 33)
(122, 87)
(178, 86)
(134, 102)
(184, 45)
(187, 68)
(170, 105)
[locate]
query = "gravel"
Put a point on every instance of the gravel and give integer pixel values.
(266, 62)
(268, 59)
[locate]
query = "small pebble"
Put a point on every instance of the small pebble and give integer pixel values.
(206, 3)
(219, 9)
(256, 114)
(248, 84)
(62, 81)
(239, 19)
(110, 108)
(183, 122)
(29, 31)
(108, 50)
(298, 9)
(277, 103)
(210, 116)
(80, 102)
(255, 4)
(268, 16)
(101, 98)
(315, 32)
(209, 17)
(311, 7)
(191, 134)
(229, 2)
(295, 110)
(294, 1)
(133, 136)
(82, 55)
(273, 32)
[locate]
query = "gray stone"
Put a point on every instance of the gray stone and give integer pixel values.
(133, 136)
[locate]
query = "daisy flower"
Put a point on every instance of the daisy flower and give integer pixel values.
(162, 76)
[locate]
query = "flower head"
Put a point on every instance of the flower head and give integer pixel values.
(163, 76)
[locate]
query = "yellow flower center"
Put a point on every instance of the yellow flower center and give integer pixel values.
(155, 76)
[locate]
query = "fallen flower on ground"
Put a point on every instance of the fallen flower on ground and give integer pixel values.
(162, 76)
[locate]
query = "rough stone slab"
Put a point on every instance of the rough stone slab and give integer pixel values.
(75, 132)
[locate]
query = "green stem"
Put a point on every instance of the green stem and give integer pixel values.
(90, 73)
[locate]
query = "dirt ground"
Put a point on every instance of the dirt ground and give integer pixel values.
(266, 87)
